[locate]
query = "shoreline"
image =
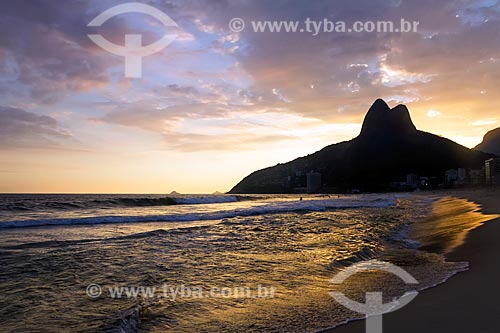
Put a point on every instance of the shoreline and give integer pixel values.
(464, 302)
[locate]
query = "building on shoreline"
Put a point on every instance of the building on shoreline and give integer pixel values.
(451, 177)
(464, 177)
(492, 171)
(476, 177)
(313, 182)
(412, 180)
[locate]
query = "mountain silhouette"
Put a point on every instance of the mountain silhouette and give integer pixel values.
(381, 120)
(388, 148)
(491, 142)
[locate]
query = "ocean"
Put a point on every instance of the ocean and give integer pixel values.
(214, 263)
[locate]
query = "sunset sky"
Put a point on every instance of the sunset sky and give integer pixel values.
(216, 105)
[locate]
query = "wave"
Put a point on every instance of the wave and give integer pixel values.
(266, 208)
(207, 199)
(127, 321)
(72, 202)
(364, 254)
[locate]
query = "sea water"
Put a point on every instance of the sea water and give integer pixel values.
(280, 252)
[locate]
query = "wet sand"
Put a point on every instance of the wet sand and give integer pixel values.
(469, 301)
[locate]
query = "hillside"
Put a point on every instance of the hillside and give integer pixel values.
(388, 148)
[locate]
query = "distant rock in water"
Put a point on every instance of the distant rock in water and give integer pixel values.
(174, 193)
(388, 148)
(491, 142)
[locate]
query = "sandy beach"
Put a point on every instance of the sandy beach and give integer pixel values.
(468, 301)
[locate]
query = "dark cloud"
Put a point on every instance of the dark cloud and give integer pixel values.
(23, 129)
(453, 41)
(48, 50)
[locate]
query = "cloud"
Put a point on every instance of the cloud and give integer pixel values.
(194, 142)
(225, 127)
(44, 44)
(433, 113)
(45, 52)
(215, 75)
(484, 122)
(23, 129)
(348, 71)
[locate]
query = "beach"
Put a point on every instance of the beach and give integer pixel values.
(468, 301)
(71, 263)
(68, 259)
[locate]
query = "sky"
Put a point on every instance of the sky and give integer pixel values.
(216, 105)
